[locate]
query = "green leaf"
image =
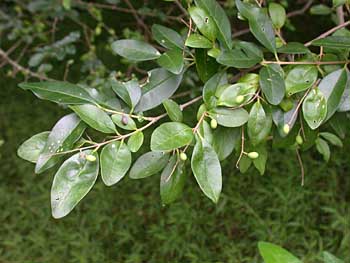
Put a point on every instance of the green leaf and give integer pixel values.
(124, 121)
(161, 85)
(62, 137)
(260, 162)
(73, 180)
(31, 148)
(205, 24)
(243, 55)
(314, 108)
(173, 109)
(329, 258)
(129, 92)
(95, 118)
(332, 138)
(337, 3)
(198, 41)
(293, 48)
(59, 92)
(66, 4)
(104, 96)
(323, 148)
(259, 23)
(244, 164)
(218, 15)
(210, 87)
(224, 141)
(230, 117)
(205, 131)
(281, 118)
(172, 180)
(206, 66)
(277, 14)
(148, 164)
(300, 78)
(135, 141)
(115, 162)
(167, 37)
(333, 42)
(344, 104)
(272, 83)
(332, 87)
(171, 135)
(172, 60)
(206, 169)
(135, 50)
(272, 253)
(320, 10)
(259, 123)
(235, 95)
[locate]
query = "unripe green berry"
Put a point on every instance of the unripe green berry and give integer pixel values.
(299, 139)
(239, 99)
(213, 124)
(286, 128)
(183, 156)
(253, 155)
(90, 158)
(98, 31)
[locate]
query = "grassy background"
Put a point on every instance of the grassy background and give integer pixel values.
(126, 223)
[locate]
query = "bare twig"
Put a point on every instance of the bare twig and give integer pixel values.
(301, 167)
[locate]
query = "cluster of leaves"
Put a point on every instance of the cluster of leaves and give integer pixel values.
(283, 95)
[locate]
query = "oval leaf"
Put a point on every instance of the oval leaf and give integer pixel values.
(148, 164)
(173, 109)
(259, 123)
(167, 37)
(135, 50)
(272, 83)
(300, 78)
(229, 117)
(314, 108)
(31, 148)
(172, 60)
(205, 24)
(135, 141)
(275, 254)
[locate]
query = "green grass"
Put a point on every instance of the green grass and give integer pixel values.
(126, 223)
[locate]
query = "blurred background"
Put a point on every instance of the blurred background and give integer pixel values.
(127, 223)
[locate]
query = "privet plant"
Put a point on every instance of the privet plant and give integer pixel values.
(249, 96)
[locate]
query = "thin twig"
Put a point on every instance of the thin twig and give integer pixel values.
(301, 167)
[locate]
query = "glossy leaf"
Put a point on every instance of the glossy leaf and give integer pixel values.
(61, 138)
(259, 123)
(277, 14)
(167, 37)
(173, 110)
(293, 48)
(161, 85)
(172, 60)
(332, 87)
(281, 119)
(259, 23)
(228, 95)
(95, 118)
(171, 135)
(272, 253)
(135, 50)
(31, 148)
(243, 55)
(115, 162)
(205, 24)
(129, 92)
(148, 164)
(198, 41)
(228, 117)
(124, 121)
(272, 83)
(314, 108)
(210, 87)
(172, 180)
(224, 141)
(135, 141)
(206, 66)
(58, 91)
(300, 78)
(333, 42)
(217, 13)
(206, 169)
(72, 182)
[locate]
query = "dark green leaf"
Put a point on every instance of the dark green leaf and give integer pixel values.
(300, 78)
(281, 119)
(62, 137)
(260, 162)
(315, 108)
(72, 182)
(293, 48)
(171, 135)
(95, 118)
(320, 10)
(259, 123)
(235, 95)
(206, 66)
(135, 50)
(224, 141)
(172, 180)
(198, 41)
(129, 92)
(277, 14)
(173, 110)
(172, 60)
(161, 85)
(228, 117)
(115, 162)
(205, 24)
(333, 42)
(31, 148)
(220, 18)
(210, 87)
(275, 254)
(124, 121)
(135, 141)
(148, 164)
(59, 92)
(167, 37)
(272, 83)
(206, 169)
